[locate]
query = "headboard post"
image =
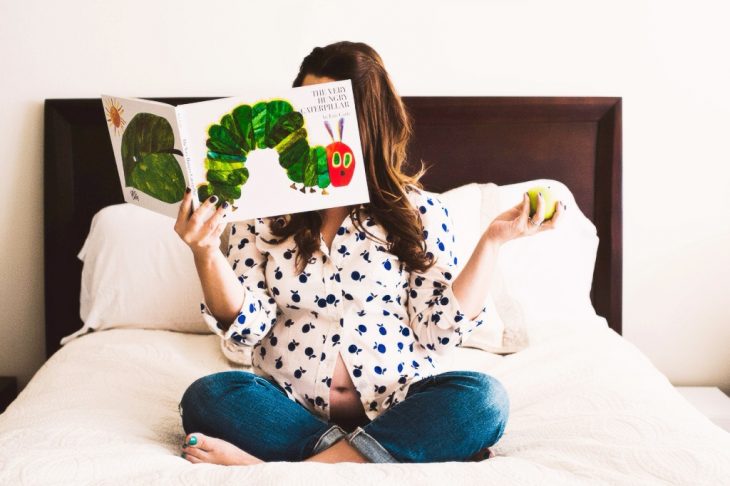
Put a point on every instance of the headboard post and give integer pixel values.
(609, 215)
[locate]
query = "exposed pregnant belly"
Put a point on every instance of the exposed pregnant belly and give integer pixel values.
(345, 406)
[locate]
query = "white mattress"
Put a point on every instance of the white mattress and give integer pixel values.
(586, 407)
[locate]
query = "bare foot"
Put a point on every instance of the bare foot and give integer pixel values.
(201, 448)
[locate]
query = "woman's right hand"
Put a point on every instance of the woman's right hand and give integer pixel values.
(202, 229)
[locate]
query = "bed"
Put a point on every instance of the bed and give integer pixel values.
(586, 405)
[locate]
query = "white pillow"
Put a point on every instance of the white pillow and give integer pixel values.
(545, 277)
(464, 204)
(137, 273)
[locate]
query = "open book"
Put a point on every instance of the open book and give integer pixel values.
(268, 154)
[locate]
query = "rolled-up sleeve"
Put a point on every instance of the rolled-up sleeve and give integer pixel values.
(258, 311)
(434, 313)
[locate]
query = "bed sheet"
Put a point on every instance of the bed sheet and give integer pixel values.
(586, 407)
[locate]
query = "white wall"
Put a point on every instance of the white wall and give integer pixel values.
(669, 63)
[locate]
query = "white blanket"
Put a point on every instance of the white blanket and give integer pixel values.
(586, 407)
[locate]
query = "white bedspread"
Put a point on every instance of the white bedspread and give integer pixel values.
(587, 407)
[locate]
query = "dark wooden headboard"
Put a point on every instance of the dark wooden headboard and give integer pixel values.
(463, 139)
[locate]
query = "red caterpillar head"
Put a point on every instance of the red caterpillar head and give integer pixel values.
(340, 159)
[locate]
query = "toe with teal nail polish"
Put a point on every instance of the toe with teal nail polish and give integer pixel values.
(193, 440)
(182, 455)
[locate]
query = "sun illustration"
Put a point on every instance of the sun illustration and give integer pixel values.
(114, 113)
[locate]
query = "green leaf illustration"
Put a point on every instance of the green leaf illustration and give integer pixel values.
(160, 176)
(148, 148)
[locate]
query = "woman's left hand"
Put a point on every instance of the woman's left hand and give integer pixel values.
(514, 223)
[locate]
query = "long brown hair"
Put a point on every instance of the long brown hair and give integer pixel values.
(385, 129)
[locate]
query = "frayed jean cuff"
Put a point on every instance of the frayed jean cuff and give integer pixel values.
(333, 434)
(368, 446)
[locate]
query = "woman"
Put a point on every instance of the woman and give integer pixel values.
(348, 311)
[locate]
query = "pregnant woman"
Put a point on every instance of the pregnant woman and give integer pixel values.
(347, 311)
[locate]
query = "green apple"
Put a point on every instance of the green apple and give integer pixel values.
(548, 199)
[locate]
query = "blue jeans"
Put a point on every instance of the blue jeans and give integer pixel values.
(446, 417)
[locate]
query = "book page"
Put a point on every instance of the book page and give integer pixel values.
(277, 151)
(147, 149)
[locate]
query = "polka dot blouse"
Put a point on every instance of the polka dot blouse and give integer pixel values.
(358, 300)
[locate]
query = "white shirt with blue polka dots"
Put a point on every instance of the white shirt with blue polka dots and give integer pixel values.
(389, 325)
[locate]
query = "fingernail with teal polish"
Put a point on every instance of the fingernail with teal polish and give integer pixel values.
(193, 440)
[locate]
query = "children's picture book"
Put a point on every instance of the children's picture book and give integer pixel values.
(271, 153)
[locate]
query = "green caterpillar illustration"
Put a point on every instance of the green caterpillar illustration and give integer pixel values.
(271, 124)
